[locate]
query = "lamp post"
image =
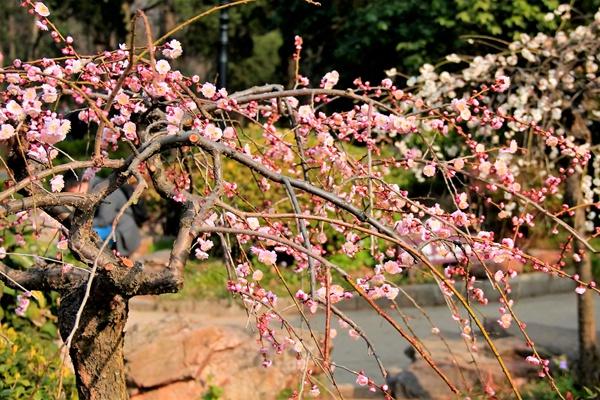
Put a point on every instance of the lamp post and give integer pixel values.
(223, 41)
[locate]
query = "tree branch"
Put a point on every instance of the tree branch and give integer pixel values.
(47, 277)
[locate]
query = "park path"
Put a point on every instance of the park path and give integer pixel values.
(551, 322)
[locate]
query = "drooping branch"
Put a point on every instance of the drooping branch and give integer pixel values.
(414, 343)
(105, 163)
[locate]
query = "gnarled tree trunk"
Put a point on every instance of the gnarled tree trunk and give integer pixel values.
(97, 347)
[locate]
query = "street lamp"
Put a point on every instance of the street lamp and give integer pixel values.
(223, 41)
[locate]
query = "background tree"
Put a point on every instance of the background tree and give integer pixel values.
(382, 34)
(554, 85)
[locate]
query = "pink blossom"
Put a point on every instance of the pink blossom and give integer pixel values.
(462, 200)
(208, 90)
(266, 257)
(15, 110)
(533, 360)
(205, 245)
(361, 379)
(257, 275)
(508, 242)
(6, 131)
(41, 9)
(513, 147)
(62, 244)
(40, 154)
(173, 49)
(336, 293)
(458, 164)
(580, 289)
(463, 108)
(406, 259)
(23, 304)
(54, 130)
(305, 112)
(253, 223)
(122, 99)
(552, 141)
(350, 249)
(162, 67)
(502, 84)
(354, 334)
(57, 183)
(229, 133)
(498, 276)
(505, 321)
(330, 80)
(2, 253)
(389, 291)
(496, 123)
(50, 94)
(130, 131)
(300, 295)
(212, 132)
(392, 267)
(429, 170)
(314, 391)
(201, 255)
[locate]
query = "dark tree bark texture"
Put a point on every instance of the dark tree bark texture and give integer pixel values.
(97, 348)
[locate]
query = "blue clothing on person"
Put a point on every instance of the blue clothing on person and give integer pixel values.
(127, 234)
(103, 231)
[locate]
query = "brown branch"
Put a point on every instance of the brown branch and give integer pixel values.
(56, 170)
(47, 277)
(77, 200)
(308, 92)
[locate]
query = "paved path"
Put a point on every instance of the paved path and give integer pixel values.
(552, 322)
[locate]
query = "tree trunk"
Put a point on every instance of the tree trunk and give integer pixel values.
(97, 348)
(588, 371)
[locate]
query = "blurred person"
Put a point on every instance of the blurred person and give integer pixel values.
(127, 233)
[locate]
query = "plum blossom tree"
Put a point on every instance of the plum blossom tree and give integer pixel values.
(329, 165)
(554, 86)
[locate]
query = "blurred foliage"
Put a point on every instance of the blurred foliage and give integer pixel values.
(30, 365)
(565, 383)
(374, 35)
(359, 38)
(29, 351)
(502, 18)
(213, 393)
(285, 394)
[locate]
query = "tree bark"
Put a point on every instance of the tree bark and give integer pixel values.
(588, 373)
(97, 347)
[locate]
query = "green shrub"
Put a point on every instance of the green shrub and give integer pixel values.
(30, 366)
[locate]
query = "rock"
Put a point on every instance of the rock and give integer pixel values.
(468, 371)
(179, 359)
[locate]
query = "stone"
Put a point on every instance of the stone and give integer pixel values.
(180, 359)
(468, 371)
